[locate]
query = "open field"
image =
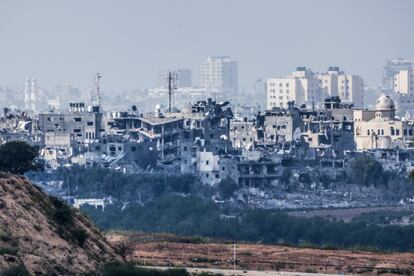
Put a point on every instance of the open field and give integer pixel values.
(230, 272)
(169, 251)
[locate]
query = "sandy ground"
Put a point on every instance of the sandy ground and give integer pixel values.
(227, 272)
(266, 258)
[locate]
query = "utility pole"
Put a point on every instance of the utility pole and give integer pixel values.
(234, 256)
(68, 186)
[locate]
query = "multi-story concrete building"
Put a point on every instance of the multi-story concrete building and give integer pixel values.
(243, 134)
(348, 87)
(84, 125)
(392, 68)
(404, 82)
(219, 75)
(403, 95)
(280, 125)
(301, 87)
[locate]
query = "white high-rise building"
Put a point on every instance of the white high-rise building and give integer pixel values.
(34, 96)
(183, 78)
(301, 87)
(219, 75)
(349, 88)
(403, 90)
(392, 68)
(27, 99)
(404, 82)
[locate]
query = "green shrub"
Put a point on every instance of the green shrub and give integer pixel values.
(17, 270)
(5, 236)
(130, 269)
(79, 235)
(8, 250)
(61, 214)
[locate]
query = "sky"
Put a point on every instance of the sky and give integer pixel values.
(128, 41)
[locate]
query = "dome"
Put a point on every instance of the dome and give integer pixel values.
(384, 103)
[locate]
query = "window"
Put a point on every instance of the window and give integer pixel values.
(185, 148)
(405, 132)
(133, 148)
(89, 123)
(392, 131)
(410, 132)
(397, 132)
(77, 119)
(77, 130)
(207, 162)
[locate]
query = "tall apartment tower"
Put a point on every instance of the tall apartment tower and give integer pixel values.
(219, 75)
(183, 78)
(31, 95)
(392, 68)
(404, 82)
(301, 86)
(349, 88)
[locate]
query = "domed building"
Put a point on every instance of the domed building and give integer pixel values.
(379, 128)
(385, 107)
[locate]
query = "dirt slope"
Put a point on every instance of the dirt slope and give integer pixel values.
(44, 235)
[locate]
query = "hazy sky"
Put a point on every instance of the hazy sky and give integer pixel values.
(129, 40)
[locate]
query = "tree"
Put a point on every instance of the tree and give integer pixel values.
(18, 157)
(411, 175)
(286, 175)
(227, 187)
(367, 171)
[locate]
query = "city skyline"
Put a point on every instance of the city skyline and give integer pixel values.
(129, 43)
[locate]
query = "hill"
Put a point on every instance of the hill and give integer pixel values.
(44, 234)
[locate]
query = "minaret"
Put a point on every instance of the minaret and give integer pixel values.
(34, 95)
(27, 94)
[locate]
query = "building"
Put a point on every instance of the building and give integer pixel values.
(183, 78)
(392, 68)
(349, 88)
(219, 75)
(404, 82)
(85, 124)
(259, 92)
(380, 129)
(243, 134)
(301, 87)
(280, 125)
